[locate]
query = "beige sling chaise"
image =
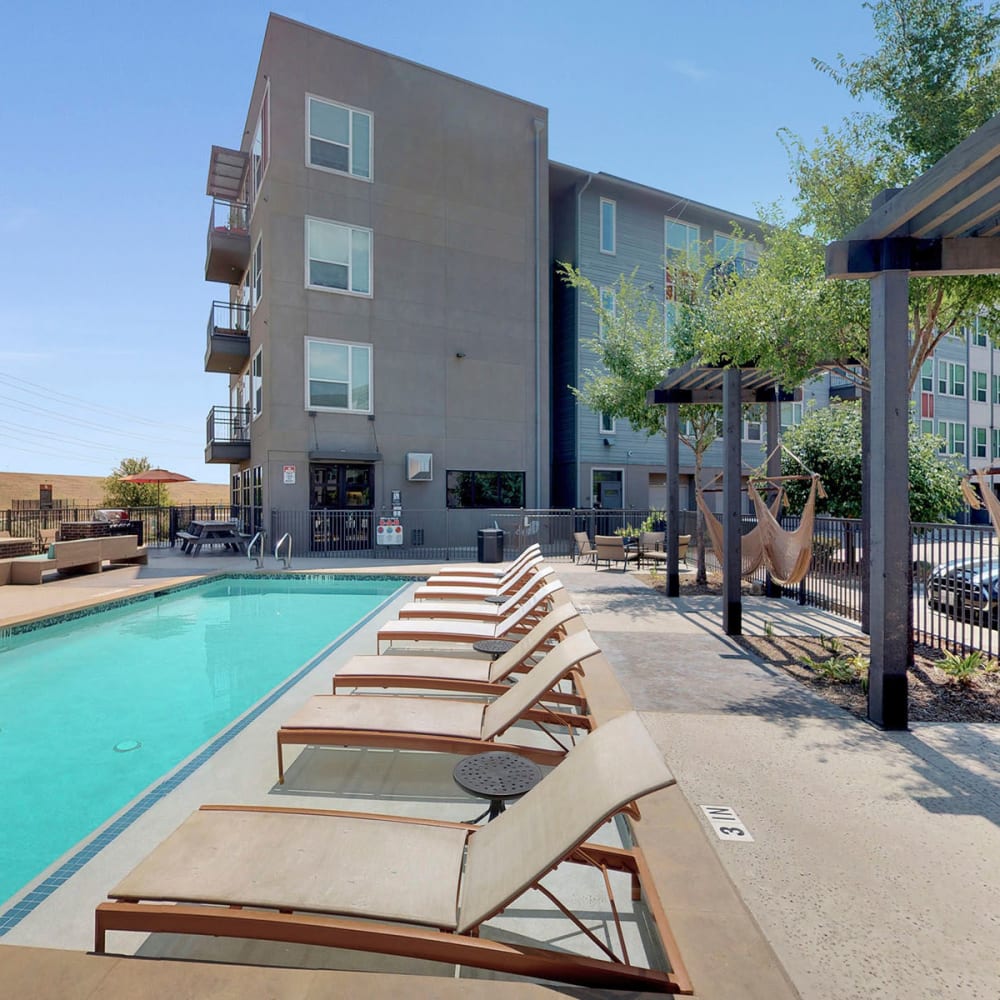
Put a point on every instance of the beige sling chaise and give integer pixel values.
(481, 611)
(482, 570)
(410, 887)
(459, 587)
(449, 725)
(454, 630)
(465, 674)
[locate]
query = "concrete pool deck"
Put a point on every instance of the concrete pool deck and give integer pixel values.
(873, 869)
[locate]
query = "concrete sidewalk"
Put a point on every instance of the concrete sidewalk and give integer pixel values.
(873, 868)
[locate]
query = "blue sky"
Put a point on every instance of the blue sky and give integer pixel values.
(111, 109)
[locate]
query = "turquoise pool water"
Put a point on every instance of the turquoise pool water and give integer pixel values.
(94, 710)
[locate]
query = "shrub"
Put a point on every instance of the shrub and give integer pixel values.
(963, 669)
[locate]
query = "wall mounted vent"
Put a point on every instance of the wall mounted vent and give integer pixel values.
(419, 466)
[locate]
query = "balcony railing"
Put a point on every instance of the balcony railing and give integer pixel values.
(227, 434)
(228, 254)
(228, 346)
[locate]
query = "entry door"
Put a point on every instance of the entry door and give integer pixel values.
(342, 497)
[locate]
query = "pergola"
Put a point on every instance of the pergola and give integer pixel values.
(730, 388)
(946, 222)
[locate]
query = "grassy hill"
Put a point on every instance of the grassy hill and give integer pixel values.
(87, 491)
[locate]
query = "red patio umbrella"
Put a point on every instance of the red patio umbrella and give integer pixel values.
(157, 476)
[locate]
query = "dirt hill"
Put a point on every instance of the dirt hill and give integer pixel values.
(87, 490)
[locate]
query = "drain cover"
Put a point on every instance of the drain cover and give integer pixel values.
(126, 745)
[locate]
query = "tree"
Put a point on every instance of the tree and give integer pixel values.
(634, 353)
(128, 495)
(828, 442)
(933, 80)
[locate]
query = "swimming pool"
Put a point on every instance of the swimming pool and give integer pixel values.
(96, 709)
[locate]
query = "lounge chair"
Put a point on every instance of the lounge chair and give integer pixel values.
(585, 551)
(481, 570)
(611, 548)
(452, 630)
(481, 610)
(409, 887)
(476, 588)
(471, 676)
(447, 725)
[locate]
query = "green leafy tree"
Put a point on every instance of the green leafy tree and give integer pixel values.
(828, 442)
(933, 79)
(128, 495)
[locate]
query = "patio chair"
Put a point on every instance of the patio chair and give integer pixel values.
(475, 588)
(409, 887)
(480, 610)
(481, 570)
(448, 725)
(585, 551)
(455, 630)
(611, 548)
(463, 674)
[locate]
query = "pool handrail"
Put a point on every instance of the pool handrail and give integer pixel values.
(287, 560)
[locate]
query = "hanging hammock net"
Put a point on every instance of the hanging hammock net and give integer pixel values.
(985, 496)
(787, 553)
(751, 544)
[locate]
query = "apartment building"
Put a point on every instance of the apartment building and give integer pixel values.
(380, 233)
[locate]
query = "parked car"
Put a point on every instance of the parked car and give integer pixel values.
(966, 589)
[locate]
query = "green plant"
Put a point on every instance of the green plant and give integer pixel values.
(841, 668)
(769, 630)
(963, 669)
(831, 644)
(654, 522)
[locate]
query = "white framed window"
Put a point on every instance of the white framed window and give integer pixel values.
(978, 443)
(996, 390)
(926, 426)
(607, 423)
(995, 435)
(257, 282)
(791, 415)
(608, 307)
(753, 425)
(740, 252)
(338, 376)
(927, 376)
(978, 336)
(338, 257)
(953, 434)
(608, 209)
(951, 378)
(257, 382)
(338, 138)
(979, 381)
(260, 147)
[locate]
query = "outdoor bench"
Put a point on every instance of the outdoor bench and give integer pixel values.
(81, 556)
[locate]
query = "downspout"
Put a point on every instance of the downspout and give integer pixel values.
(539, 125)
(576, 335)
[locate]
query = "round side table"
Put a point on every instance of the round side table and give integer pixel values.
(497, 776)
(495, 647)
(496, 599)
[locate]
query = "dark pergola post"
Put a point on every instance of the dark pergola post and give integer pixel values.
(771, 589)
(889, 530)
(732, 607)
(673, 583)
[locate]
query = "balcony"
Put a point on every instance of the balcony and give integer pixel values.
(227, 435)
(228, 347)
(843, 389)
(228, 242)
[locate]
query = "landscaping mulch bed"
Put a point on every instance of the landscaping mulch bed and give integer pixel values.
(933, 695)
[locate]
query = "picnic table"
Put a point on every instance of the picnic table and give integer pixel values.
(200, 533)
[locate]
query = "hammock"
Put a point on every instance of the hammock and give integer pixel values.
(986, 495)
(788, 553)
(751, 544)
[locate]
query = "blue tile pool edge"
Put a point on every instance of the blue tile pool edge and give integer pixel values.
(38, 892)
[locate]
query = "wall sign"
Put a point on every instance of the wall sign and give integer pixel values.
(289, 475)
(389, 532)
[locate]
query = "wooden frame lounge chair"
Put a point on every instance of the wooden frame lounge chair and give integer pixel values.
(481, 570)
(452, 630)
(481, 610)
(475, 588)
(448, 725)
(409, 887)
(464, 674)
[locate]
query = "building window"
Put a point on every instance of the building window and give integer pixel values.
(485, 489)
(753, 424)
(995, 434)
(791, 415)
(257, 287)
(259, 149)
(978, 442)
(927, 376)
(338, 376)
(996, 390)
(607, 424)
(736, 254)
(338, 138)
(977, 336)
(979, 387)
(926, 426)
(951, 379)
(681, 252)
(607, 309)
(338, 257)
(607, 226)
(953, 434)
(927, 405)
(257, 382)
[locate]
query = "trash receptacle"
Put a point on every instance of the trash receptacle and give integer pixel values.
(490, 542)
